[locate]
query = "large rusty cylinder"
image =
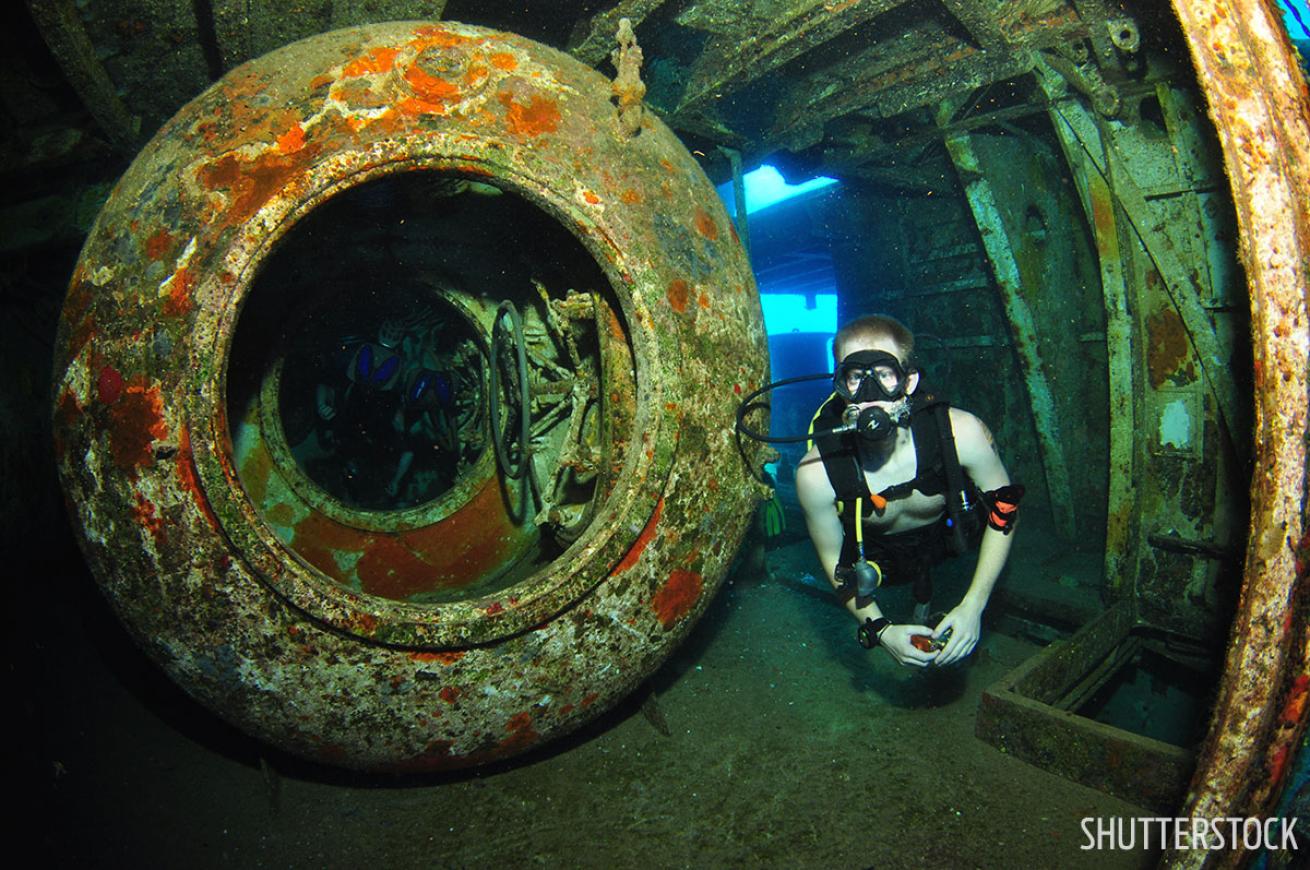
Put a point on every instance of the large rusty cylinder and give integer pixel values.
(232, 591)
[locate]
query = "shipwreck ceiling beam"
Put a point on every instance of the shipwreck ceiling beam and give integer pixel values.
(731, 60)
(593, 37)
(860, 86)
(979, 19)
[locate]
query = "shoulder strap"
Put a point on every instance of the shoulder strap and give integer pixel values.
(840, 457)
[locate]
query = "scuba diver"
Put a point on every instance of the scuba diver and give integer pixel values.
(429, 427)
(899, 486)
(365, 416)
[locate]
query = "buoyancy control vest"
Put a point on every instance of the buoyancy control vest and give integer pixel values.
(937, 471)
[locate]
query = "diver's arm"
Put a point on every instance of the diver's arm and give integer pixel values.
(818, 500)
(979, 458)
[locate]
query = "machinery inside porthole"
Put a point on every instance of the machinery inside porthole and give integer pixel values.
(405, 366)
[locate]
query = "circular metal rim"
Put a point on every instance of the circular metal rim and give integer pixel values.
(457, 624)
(315, 496)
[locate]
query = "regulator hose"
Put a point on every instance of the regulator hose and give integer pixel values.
(871, 423)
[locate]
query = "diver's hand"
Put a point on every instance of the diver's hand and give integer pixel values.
(965, 625)
(896, 640)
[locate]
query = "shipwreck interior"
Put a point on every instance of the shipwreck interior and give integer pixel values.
(1090, 214)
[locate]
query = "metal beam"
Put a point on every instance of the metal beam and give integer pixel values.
(1122, 532)
(64, 34)
(880, 92)
(1001, 252)
(979, 18)
(1257, 100)
(730, 61)
(1179, 281)
(593, 38)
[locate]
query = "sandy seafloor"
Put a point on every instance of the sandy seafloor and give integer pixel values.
(788, 746)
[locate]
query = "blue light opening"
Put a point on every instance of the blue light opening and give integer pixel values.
(765, 187)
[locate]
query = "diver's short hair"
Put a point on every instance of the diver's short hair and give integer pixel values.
(872, 327)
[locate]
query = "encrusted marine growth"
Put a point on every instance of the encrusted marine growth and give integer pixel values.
(295, 620)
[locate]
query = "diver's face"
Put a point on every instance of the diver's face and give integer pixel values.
(888, 378)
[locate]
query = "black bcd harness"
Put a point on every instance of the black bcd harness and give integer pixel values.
(937, 472)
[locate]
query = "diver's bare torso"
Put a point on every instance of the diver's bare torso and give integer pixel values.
(904, 514)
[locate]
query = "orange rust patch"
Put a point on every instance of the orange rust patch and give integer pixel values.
(189, 478)
(256, 469)
(467, 544)
(390, 569)
(144, 515)
(677, 596)
(703, 301)
(319, 82)
(643, 540)
(430, 88)
(413, 106)
(1168, 349)
(475, 76)
(539, 116)
(436, 36)
(251, 184)
(159, 244)
(449, 694)
(451, 553)
(630, 197)
(136, 421)
(678, 293)
(522, 734)
(590, 197)
(445, 658)
(378, 60)
(316, 537)
(179, 302)
(503, 60)
(291, 140)
(1294, 709)
(281, 513)
(705, 225)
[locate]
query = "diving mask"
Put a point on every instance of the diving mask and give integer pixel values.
(870, 376)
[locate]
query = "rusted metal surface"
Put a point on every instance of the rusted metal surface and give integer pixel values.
(925, 66)
(1002, 250)
(169, 528)
(64, 32)
(1031, 714)
(1180, 282)
(593, 38)
(1257, 98)
(1175, 467)
(1123, 517)
(748, 47)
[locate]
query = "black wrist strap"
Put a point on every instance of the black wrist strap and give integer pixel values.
(870, 633)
